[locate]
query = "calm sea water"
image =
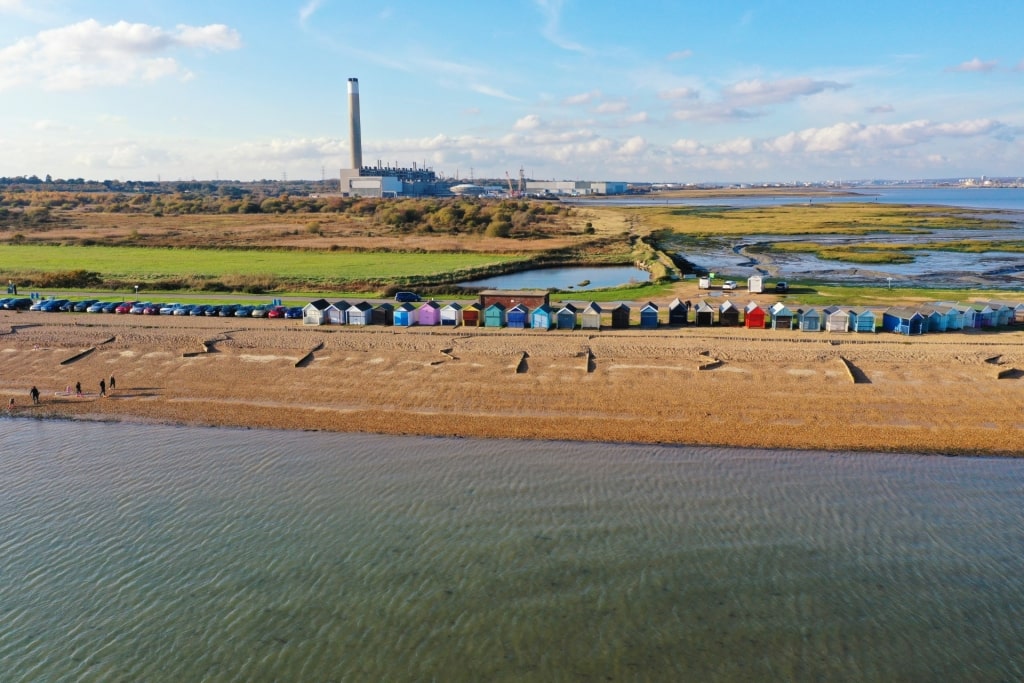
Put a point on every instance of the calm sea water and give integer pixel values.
(159, 553)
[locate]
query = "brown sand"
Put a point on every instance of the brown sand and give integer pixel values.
(948, 393)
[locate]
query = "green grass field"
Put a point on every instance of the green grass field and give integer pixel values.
(148, 264)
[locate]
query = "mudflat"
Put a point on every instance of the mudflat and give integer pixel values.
(955, 392)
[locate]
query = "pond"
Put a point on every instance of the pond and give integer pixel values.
(571, 278)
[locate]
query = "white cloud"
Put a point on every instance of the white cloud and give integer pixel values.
(582, 98)
(493, 92)
(738, 146)
(974, 66)
(844, 137)
(612, 107)
(639, 117)
(88, 54)
(759, 93)
(551, 30)
(678, 55)
(632, 146)
(528, 122)
(309, 9)
(678, 94)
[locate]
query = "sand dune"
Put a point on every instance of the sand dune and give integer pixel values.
(947, 393)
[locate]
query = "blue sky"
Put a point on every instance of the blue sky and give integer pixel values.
(658, 91)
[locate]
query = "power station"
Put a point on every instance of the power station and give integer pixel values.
(380, 180)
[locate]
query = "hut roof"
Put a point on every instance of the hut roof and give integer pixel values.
(592, 308)
(319, 304)
(453, 306)
(649, 306)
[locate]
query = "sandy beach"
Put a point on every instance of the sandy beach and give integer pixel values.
(956, 393)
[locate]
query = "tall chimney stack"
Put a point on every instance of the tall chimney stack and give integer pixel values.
(355, 136)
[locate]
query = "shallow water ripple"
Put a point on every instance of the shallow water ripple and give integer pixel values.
(159, 553)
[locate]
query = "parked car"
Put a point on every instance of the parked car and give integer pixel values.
(781, 287)
(407, 297)
(152, 309)
(125, 307)
(729, 284)
(261, 311)
(213, 310)
(243, 311)
(96, 307)
(111, 307)
(168, 309)
(183, 309)
(67, 306)
(277, 312)
(21, 304)
(83, 306)
(295, 312)
(138, 307)
(53, 305)
(201, 309)
(227, 310)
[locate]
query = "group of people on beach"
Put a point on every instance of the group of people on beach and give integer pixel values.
(34, 391)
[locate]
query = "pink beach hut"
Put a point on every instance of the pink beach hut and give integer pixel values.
(430, 313)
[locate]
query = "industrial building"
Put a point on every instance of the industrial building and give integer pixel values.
(574, 188)
(380, 180)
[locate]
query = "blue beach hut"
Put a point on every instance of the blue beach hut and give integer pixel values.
(541, 318)
(649, 316)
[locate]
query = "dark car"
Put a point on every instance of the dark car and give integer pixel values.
(83, 306)
(53, 305)
(407, 297)
(213, 310)
(227, 310)
(111, 307)
(22, 304)
(67, 306)
(152, 309)
(781, 287)
(201, 309)
(295, 312)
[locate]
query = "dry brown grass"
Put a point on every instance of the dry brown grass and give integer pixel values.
(767, 389)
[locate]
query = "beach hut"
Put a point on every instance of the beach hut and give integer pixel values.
(703, 314)
(360, 314)
(967, 314)
(405, 315)
(782, 317)
(934, 319)
(755, 316)
(590, 319)
(953, 315)
(334, 314)
(836, 319)
(1002, 314)
(903, 321)
(517, 316)
(810, 320)
(862, 320)
(383, 314)
(541, 318)
(451, 315)
(984, 316)
(472, 315)
(565, 318)
(313, 312)
(1018, 314)
(678, 312)
(649, 316)
(430, 314)
(728, 314)
(494, 315)
(620, 316)
(755, 284)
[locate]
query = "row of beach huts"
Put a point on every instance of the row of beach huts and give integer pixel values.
(531, 309)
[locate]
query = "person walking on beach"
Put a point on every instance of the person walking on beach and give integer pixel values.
(112, 383)
(10, 406)
(34, 393)
(103, 388)
(78, 389)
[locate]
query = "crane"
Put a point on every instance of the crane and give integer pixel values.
(511, 192)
